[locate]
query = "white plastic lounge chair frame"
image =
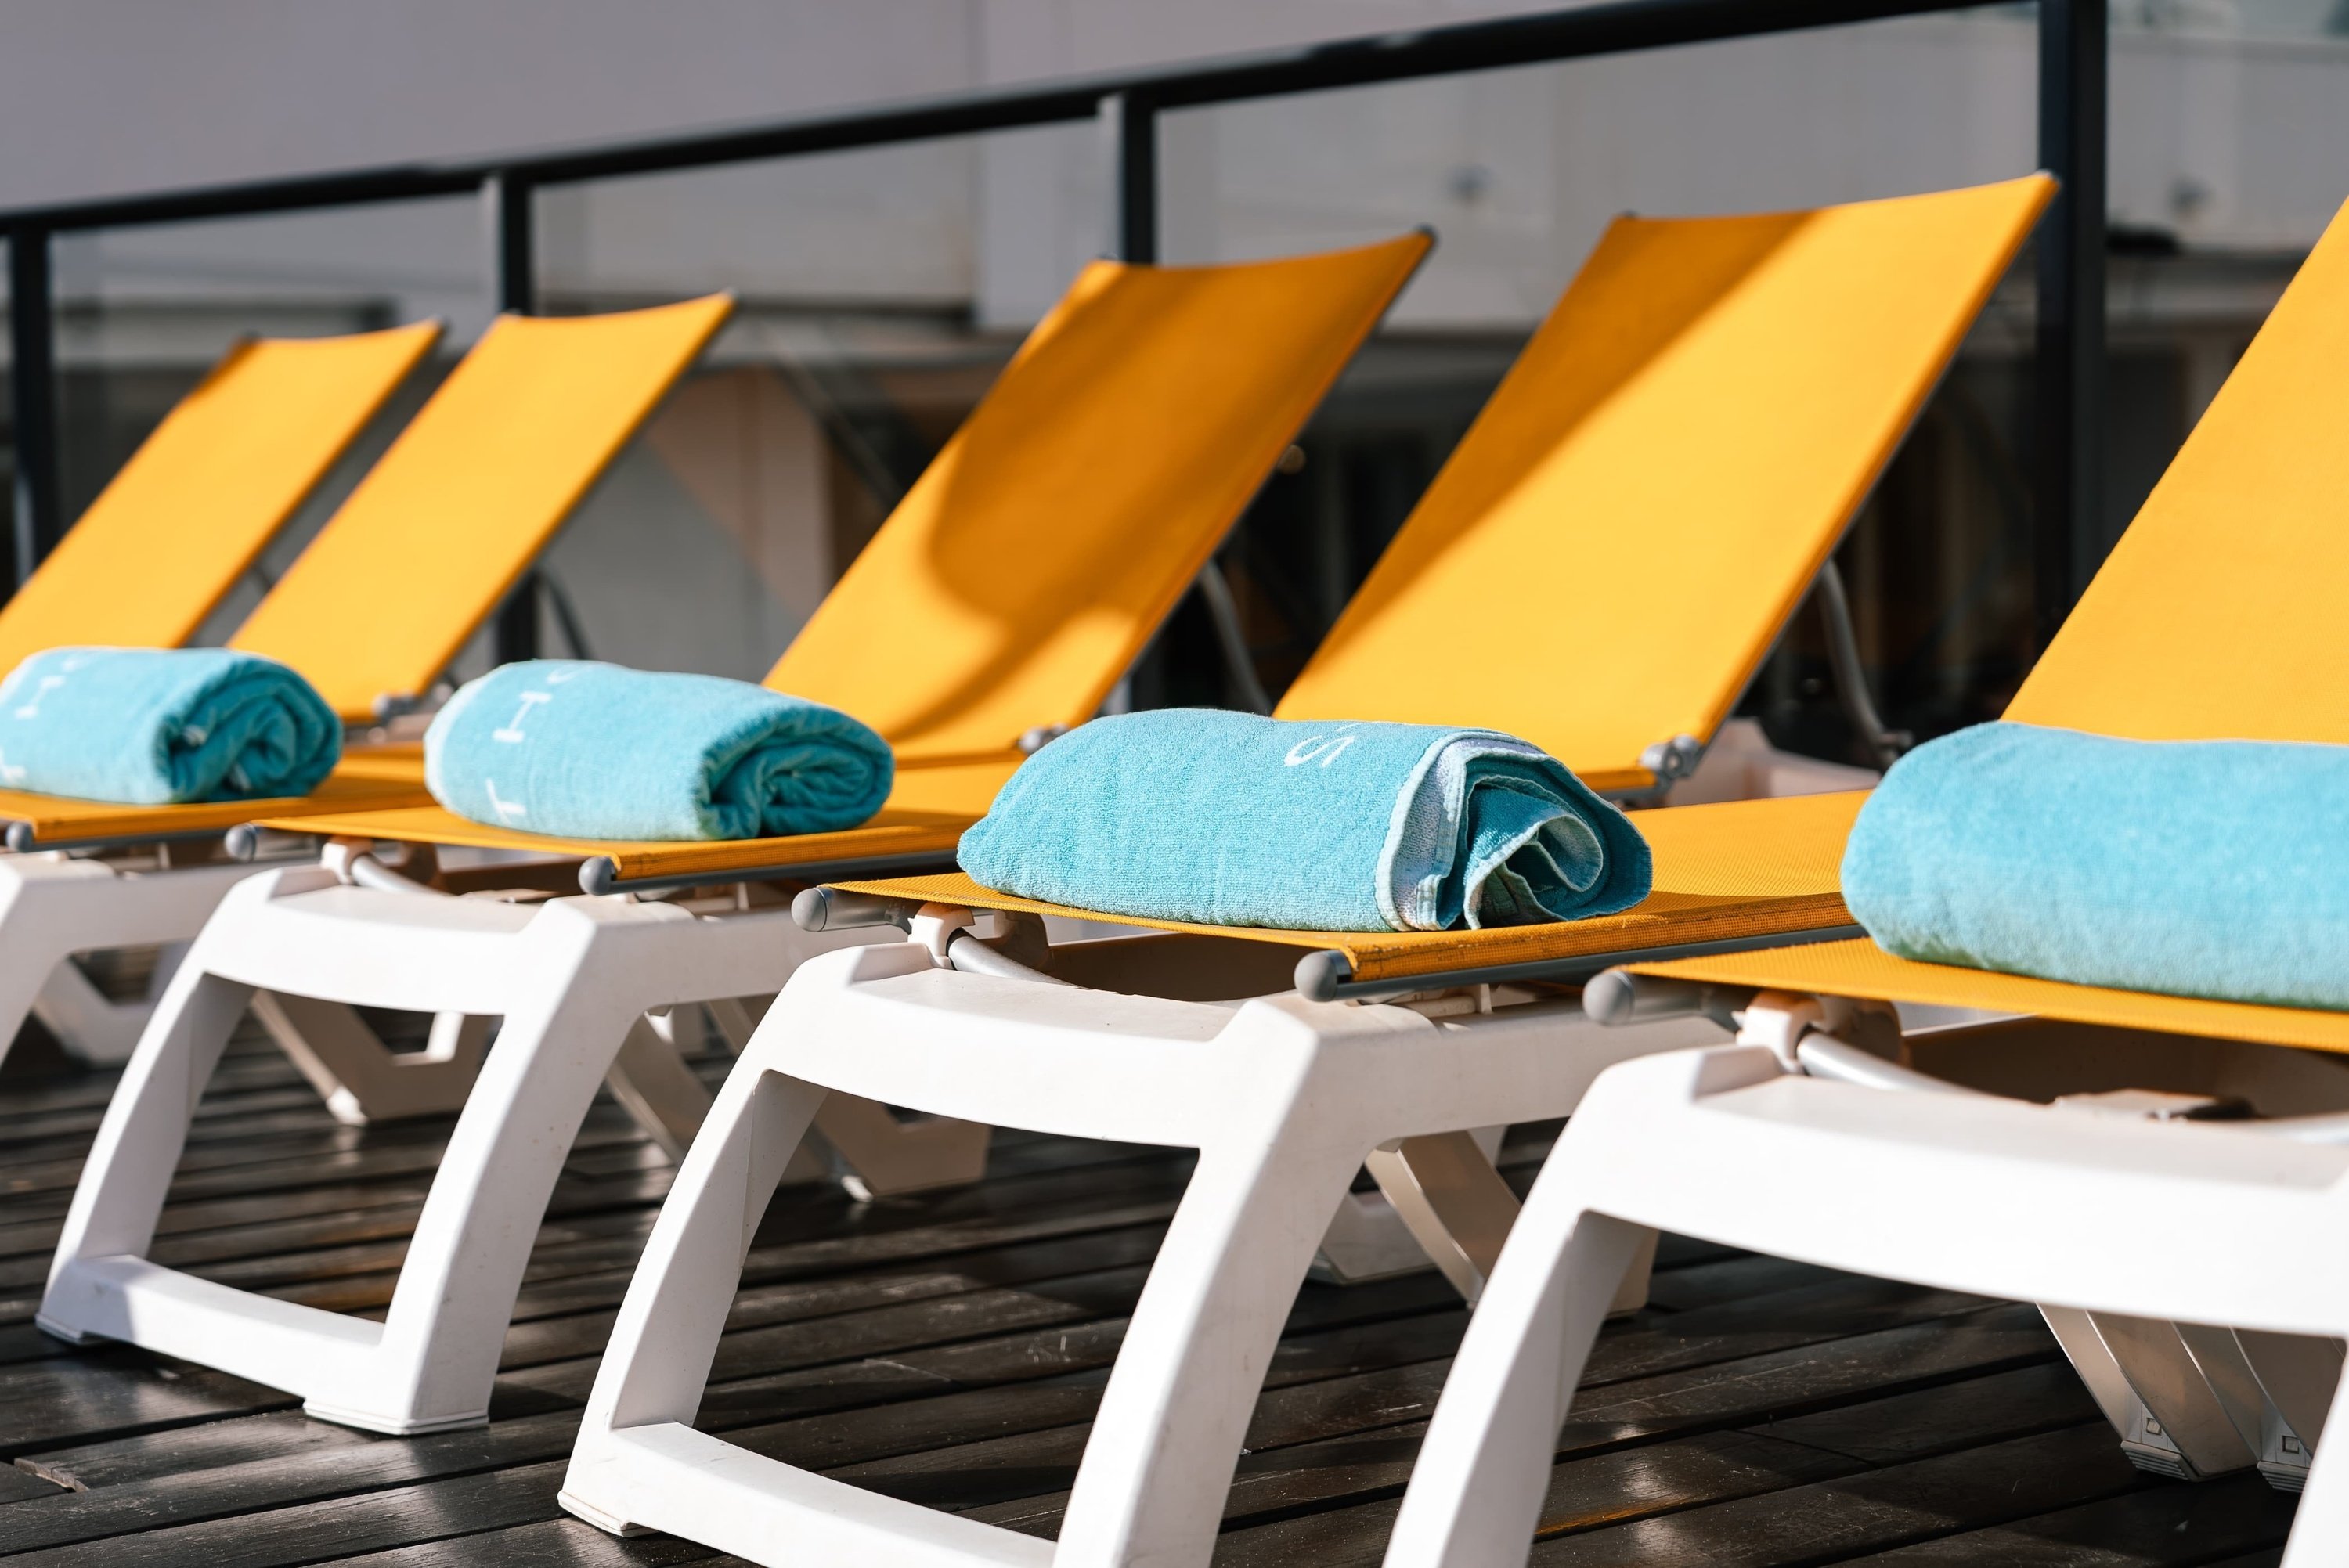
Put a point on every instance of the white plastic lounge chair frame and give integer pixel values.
(1283, 1098)
(2188, 1264)
(2179, 1248)
(573, 978)
(86, 882)
(1286, 1098)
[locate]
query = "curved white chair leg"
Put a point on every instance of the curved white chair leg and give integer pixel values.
(667, 1333)
(1484, 1468)
(137, 1148)
(660, 1093)
(1151, 1486)
(560, 979)
(446, 1326)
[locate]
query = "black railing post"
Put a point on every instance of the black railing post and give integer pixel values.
(2071, 530)
(506, 212)
(33, 391)
(1131, 122)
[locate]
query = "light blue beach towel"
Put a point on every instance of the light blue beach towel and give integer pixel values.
(2191, 868)
(1227, 819)
(587, 750)
(162, 727)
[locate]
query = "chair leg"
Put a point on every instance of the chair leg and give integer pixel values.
(1477, 1487)
(658, 1359)
(92, 1026)
(87, 1022)
(2298, 1373)
(361, 1079)
(650, 1080)
(446, 1322)
(1368, 1238)
(1446, 1191)
(2319, 1530)
(120, 1197)
(1168, 1433)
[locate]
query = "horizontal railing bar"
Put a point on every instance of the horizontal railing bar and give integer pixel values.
(1617, 26)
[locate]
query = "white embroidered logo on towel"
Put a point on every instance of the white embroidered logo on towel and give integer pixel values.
(511, 734)
(507, 810)
(1324, 748)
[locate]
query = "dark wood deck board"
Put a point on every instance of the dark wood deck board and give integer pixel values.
(952, 1348)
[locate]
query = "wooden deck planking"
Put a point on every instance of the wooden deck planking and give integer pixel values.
(952, 1348)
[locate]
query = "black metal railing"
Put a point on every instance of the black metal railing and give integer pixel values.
(2072, 121)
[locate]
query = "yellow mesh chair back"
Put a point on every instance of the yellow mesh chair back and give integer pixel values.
(2219, 615)
(1025, 569)
(1609, 553)
(185, 518)
(453, 514)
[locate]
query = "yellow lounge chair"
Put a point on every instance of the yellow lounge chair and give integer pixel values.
(1006, 595)
(186, 517)
(155, 554)
(372, 612)
(1600, 568)
(2052, 1154)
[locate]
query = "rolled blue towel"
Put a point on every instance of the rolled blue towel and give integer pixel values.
(585, 750)
(2194, 868)
(160, 726)
(1225, 818)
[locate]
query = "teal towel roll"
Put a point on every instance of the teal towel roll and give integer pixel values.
(584, 750)
(162, 727)
(2193, 868)
(1225, 818)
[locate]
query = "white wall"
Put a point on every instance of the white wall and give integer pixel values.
(2234, 143)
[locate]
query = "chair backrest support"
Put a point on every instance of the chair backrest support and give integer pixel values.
(453, 514)
(188, 514)
(1607, 557)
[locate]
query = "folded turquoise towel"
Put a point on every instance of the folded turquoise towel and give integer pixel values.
(158, 727)
(587, 750)
(1230, 819)
(2195, 868)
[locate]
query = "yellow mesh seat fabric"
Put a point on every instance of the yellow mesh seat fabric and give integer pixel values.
(55, 822)
(1610, 553)
(927, 810)
(1860, 968)
(1025, 571)
(2216, 617)
(185, 518)
(1022, 576)
(453, 514)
